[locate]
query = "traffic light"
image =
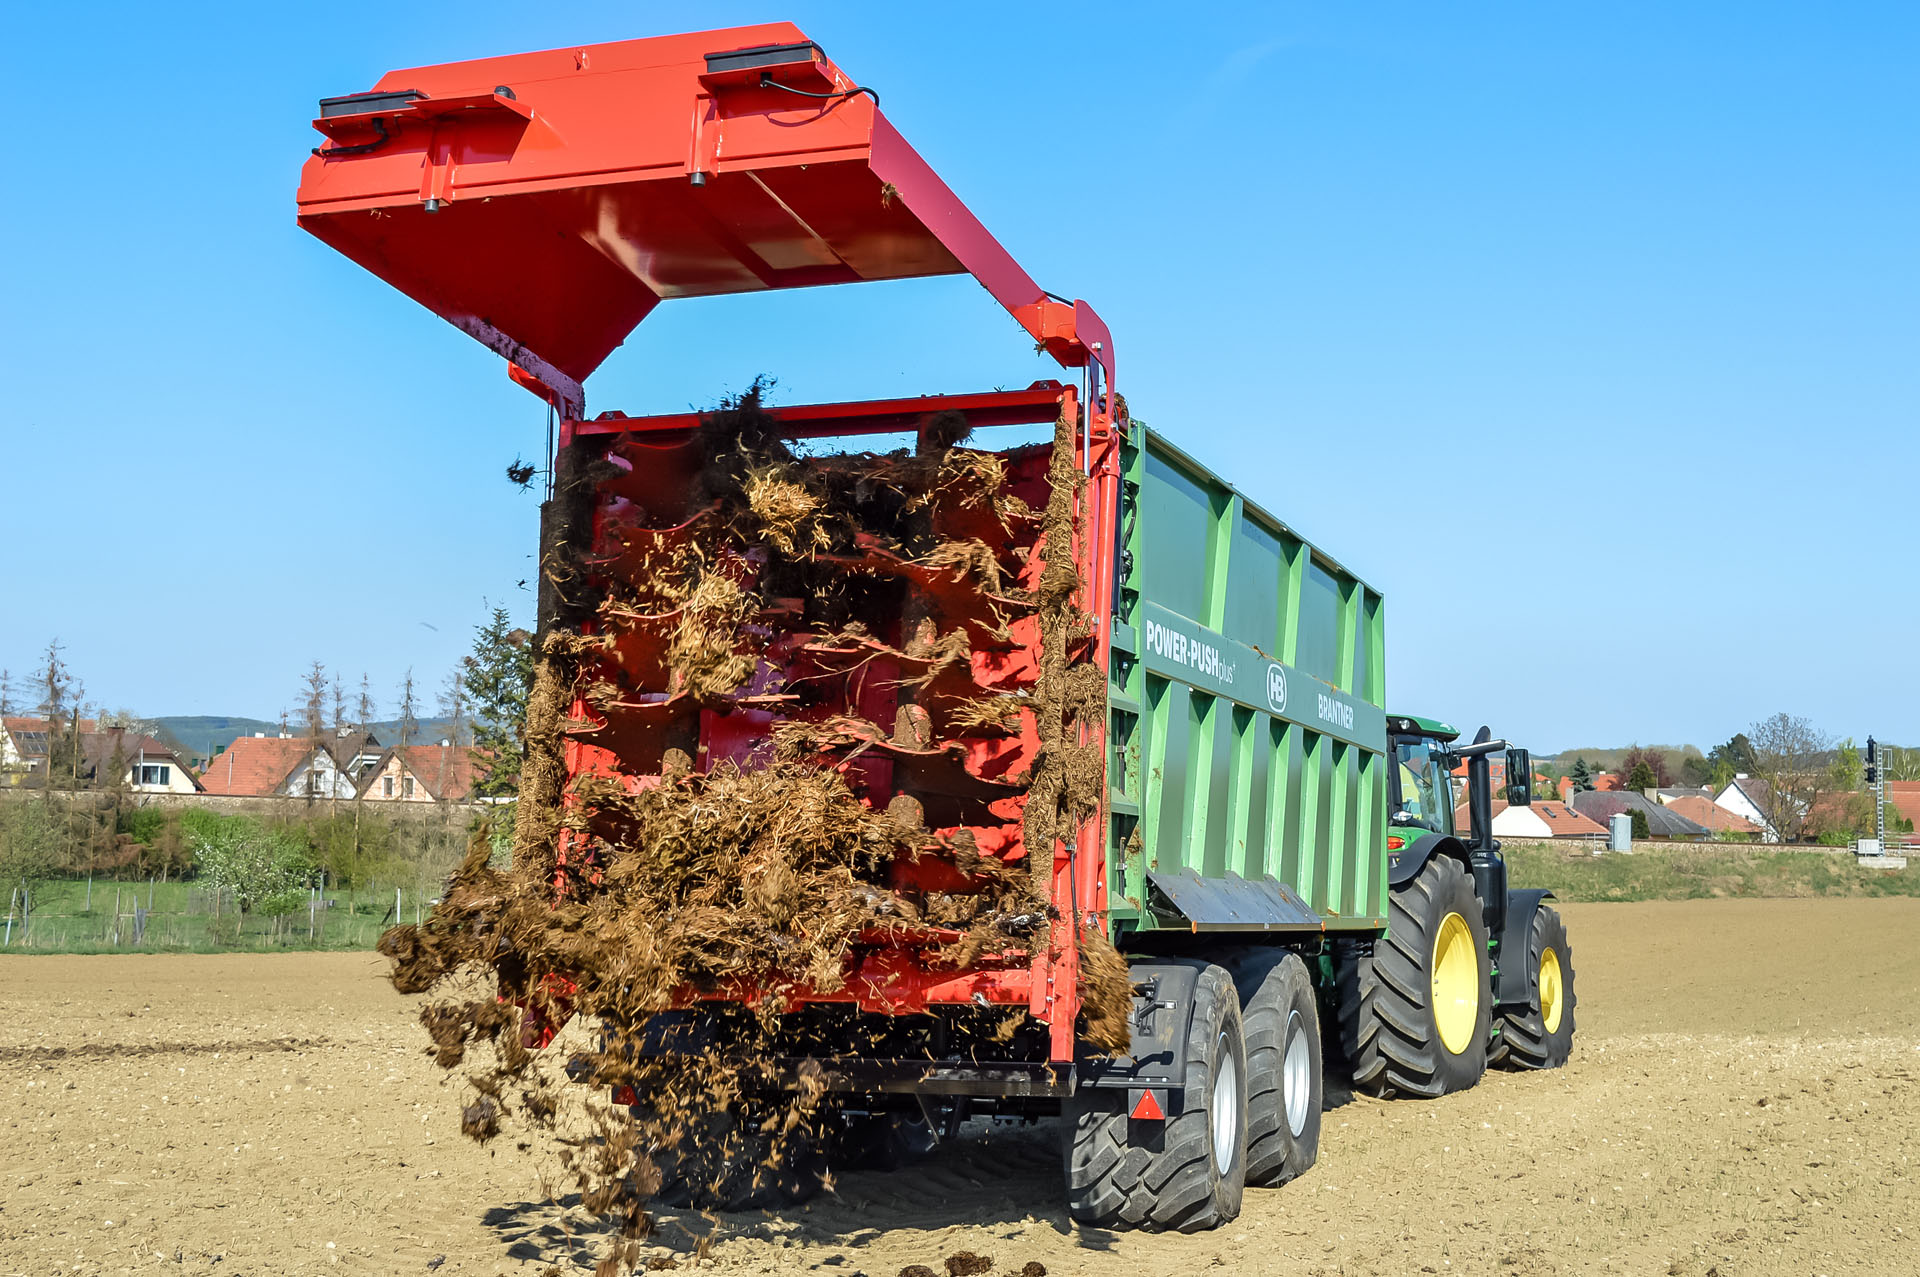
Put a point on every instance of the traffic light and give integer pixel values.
(1873, 772)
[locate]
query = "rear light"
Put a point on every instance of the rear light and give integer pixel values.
(1395, 842)
(626, 1096)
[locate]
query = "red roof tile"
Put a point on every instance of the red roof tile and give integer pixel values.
(446, 772)
(1704, 811)
(257, 765)
(1904, 796)
(1561, 820)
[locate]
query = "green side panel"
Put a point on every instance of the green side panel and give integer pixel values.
(1248, 683)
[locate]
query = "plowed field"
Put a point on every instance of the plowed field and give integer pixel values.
(1740, 1102)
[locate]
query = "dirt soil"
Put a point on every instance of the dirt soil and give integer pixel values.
(1738, 1103)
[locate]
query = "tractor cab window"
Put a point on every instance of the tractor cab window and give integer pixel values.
(1423, 790)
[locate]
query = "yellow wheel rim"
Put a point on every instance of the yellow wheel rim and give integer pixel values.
(1552, 1002)
(1456, 984)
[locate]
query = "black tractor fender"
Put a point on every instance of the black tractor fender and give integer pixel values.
(1514, 983)
(1404, 865)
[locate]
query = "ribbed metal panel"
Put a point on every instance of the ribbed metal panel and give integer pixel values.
(1245, 703)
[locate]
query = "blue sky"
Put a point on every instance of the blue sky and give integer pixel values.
(1590, 337)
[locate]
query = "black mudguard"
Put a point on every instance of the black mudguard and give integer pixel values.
(1162, 1013)
(1514, 983)
(1404, 865)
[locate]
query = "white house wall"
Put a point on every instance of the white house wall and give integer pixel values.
(1520, 822)
(1735, 800)
(328, 781)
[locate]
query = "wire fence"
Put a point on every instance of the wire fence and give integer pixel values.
(89, 916)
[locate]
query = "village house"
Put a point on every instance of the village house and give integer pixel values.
(423, 774)
(1544, 819)
(1702, 810)
(263, 766)
(1748, 798)
(23, 743)
(1601, 805)
(147, 765)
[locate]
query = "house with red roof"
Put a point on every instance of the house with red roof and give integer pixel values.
(1544, 819)
(147, 765)
(23, 741)
(443, 773)
(1749, 799)
(263, 766)
(1702, 810)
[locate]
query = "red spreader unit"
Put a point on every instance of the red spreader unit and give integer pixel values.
(545, 203)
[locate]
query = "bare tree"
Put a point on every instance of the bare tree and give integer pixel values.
(364, 705)
(313, 700)
(409, 710)
(1788, 758)
(339, 707)
(9, 694)
(57, 692)
(453, 708)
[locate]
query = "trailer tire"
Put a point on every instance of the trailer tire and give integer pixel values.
(1285, 1086)
(1188, 1171)
(1539, 1034)
(1433, 1005)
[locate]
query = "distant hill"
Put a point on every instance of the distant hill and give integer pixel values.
(1608, 759)
(204, 735)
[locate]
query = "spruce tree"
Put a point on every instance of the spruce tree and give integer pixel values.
(498, 676)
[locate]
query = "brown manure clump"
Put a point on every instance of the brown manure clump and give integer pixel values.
(787, 710)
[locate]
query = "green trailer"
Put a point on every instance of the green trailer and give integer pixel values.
(1274, 830)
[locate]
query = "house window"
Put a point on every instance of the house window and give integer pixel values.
(151, 774)
(409, 786)
(386, 787)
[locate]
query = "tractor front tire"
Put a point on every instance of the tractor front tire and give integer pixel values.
(1284, 1081)
(1539, 1034)
(1433, 1004)
(1182, 1173)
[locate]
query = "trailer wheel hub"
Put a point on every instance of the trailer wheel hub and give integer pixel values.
(1456, 984)
(1552, 1003)
(1296, 1075)
(1225, 1107)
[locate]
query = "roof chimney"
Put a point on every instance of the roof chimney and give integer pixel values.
(259, 735)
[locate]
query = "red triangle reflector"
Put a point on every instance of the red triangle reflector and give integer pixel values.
(1147, 1109)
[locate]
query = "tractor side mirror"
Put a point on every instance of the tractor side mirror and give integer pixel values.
(1519, 778)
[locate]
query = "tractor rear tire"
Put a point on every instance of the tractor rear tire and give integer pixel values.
(1356, 988)
(1539, 1034)
(1284, 1082)
(1182, 1173)
(1433, 1005)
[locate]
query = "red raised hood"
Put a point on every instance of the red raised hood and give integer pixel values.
(546, 202)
